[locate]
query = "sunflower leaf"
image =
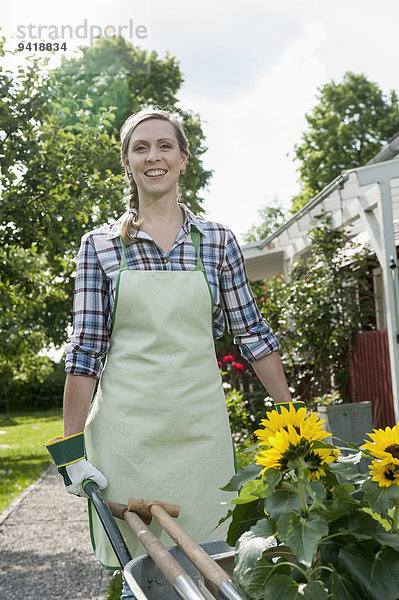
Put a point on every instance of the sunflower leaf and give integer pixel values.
(250, 549)
(250, 491)
(377, 572)
(244, 474)
(255, 580)
(380, 499)
(243, 517)
(318, 444)
(316, 490)
(302, 535)
(282, 586)
(271, 478)
(282, 502)
(347, 471)
(361, 525)
(344, 588)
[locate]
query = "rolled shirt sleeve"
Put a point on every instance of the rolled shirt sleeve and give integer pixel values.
(89, 341)
(251, 332)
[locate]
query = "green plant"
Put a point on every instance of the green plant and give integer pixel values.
(318, 312)
(115, 586)
(306, 524)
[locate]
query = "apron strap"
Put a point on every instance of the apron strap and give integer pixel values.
(195, 238)
(123, 265)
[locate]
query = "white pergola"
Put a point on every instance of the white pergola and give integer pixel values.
(365, 198)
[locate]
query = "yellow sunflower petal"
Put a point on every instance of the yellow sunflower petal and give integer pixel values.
(384, 443)
(309, 427)
(384, 472)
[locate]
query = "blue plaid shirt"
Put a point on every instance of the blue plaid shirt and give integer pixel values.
(97, 272)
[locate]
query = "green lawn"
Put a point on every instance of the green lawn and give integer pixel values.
(23, 456)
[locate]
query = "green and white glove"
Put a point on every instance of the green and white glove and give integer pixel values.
(68, 455)
(296, 404)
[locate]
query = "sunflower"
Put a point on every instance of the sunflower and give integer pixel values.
(384, 444)
(385, 472)
(317, 458)
(310, 427)
(287, 447)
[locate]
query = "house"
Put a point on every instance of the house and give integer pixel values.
(367, 199)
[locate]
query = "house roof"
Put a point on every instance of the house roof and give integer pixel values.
(340, 198)
(388, 151)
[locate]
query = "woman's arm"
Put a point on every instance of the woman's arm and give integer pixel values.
(251, 332)
(270, 373)
(78, 394)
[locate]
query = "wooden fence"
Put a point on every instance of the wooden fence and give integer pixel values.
(371, 375)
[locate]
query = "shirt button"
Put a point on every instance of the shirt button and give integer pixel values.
(165, 259)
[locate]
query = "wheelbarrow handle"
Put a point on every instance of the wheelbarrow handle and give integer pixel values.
(108, 522)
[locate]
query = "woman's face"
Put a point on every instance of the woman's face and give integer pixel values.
(155, 158)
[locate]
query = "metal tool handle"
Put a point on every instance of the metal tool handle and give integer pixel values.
(201, 559)
(108, 522)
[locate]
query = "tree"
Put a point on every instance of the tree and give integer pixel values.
(271, 217)
(58, 179)
(345, 129)
(51, 192)
(115, 77)
(317, 313)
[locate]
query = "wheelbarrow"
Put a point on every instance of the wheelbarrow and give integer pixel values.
(188, 570)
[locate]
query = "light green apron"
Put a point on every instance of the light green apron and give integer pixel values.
(158, 427)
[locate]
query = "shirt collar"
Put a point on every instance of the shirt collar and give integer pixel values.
(189, 220)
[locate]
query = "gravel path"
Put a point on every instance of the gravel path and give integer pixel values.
(45, 549)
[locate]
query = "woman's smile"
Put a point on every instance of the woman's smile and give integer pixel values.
(155, 173)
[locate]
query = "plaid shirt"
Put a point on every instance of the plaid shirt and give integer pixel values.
(97, 272)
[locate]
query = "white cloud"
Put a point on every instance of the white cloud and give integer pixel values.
(249, 136)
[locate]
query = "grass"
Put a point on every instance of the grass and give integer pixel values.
(23, 456)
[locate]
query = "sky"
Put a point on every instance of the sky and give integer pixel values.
(251, 71)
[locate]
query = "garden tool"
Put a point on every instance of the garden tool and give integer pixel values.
(163, 513)
(182, 583)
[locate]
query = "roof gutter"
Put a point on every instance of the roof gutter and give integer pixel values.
(387, 152)
(337, 182)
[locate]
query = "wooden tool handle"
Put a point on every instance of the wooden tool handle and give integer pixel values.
(139, 505)
(160, 555)
(118, 510)
(204, 563)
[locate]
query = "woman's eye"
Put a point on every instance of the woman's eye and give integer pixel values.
(166, 146)
(138, 148)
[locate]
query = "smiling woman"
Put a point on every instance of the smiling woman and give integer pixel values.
(151, 293)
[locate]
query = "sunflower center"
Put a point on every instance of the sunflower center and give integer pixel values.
(389, 475)
(313, 460)
(294, 452)
(393, 449)
(297, 429)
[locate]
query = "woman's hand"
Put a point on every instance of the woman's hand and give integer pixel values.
(78, 472)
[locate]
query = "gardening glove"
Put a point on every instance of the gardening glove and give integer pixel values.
(68, 455)
(297, 404)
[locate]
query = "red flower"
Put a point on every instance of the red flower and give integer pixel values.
(219, 364)
(228, 358)
(238, 367)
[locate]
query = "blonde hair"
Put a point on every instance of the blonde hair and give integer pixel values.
(132, 221)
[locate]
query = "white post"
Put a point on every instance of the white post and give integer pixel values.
(388, 261)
